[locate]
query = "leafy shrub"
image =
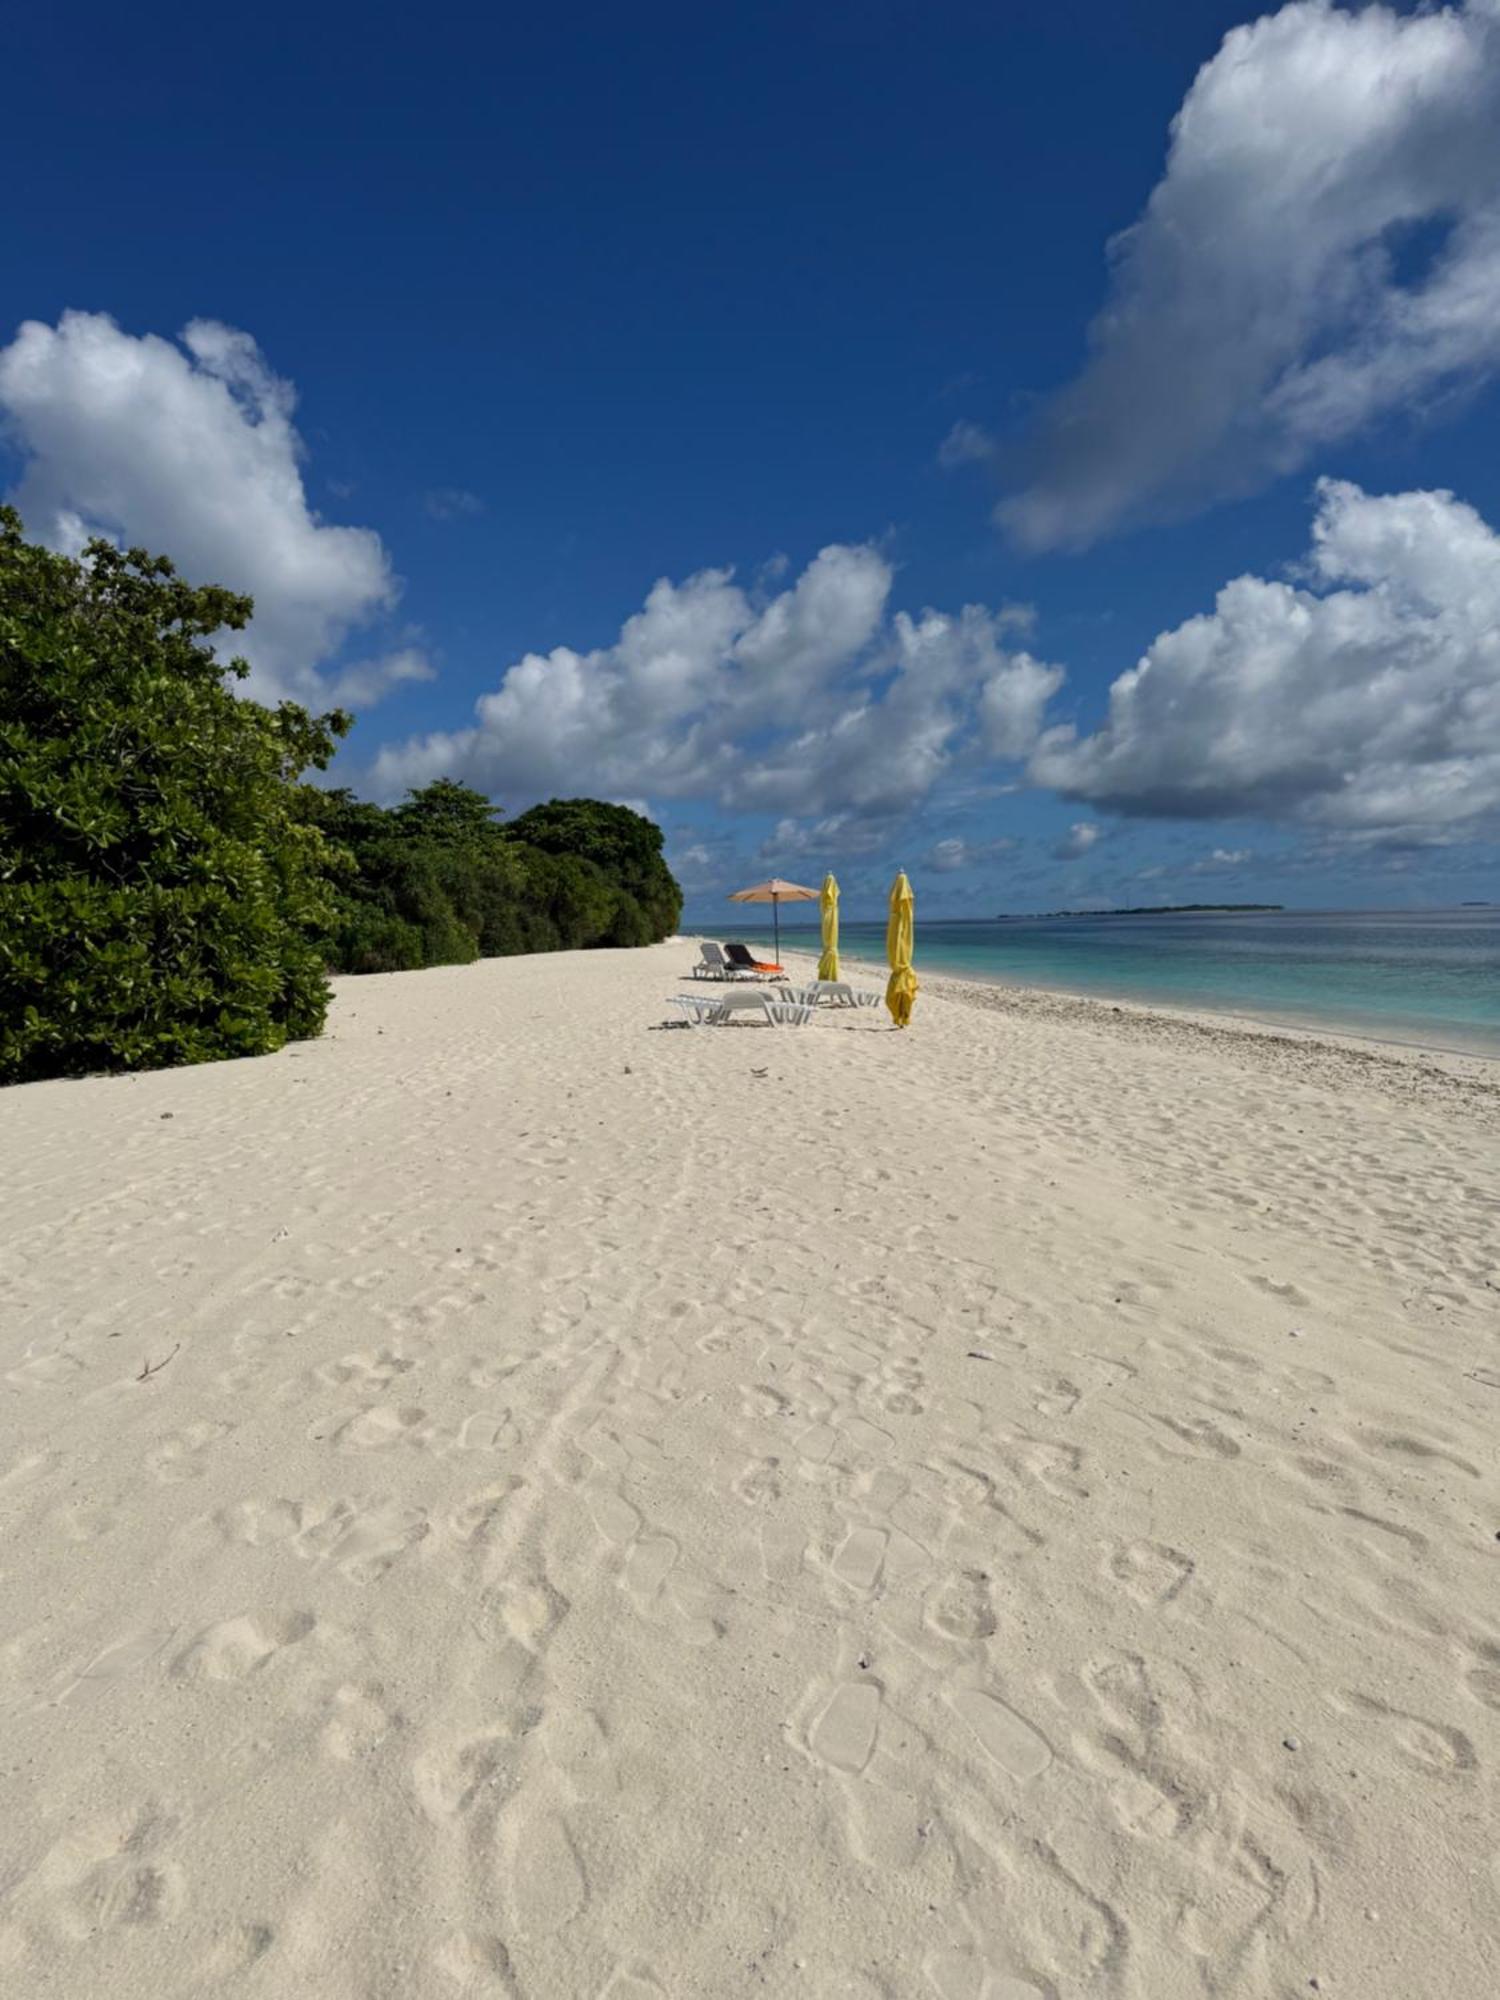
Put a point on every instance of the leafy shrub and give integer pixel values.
(373, 940)
(162, 900)
(624, 845)
(441, 867)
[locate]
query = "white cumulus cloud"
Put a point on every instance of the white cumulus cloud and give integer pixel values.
(1082, 835)
(1364, 701)
(190, 450)
(812, 702)
(1322, 249)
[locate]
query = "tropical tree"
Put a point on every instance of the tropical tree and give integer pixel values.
(624, 845)
(451, 814)
(162, 897)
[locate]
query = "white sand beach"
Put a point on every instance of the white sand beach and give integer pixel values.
(513, 1500)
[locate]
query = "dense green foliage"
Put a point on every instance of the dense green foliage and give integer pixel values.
(170, 892)
(438, 881)
(623, 845)
(161, 898)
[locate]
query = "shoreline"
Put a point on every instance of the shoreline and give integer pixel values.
(1482, 1046)
(1149, 1020)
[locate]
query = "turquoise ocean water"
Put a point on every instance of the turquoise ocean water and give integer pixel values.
(1429, 977)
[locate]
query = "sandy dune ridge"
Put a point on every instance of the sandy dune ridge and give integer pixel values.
(514, 1500)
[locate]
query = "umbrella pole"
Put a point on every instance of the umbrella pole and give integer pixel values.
(776, 924)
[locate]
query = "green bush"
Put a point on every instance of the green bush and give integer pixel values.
(162, 898)
(441, 868)
(373, 940)
(624, 845)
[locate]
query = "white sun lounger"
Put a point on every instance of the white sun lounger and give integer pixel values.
(752, 999)
(835, 993)
(789, 1013)
(698, 1007)
(780, 1012)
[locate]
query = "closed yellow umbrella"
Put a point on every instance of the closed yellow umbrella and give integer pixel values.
(828, 964)
(901, 991)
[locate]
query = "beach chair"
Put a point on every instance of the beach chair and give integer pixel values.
(712, 964)
(697, 1007)
(752, 999)
(789, 1013)
(742, 960)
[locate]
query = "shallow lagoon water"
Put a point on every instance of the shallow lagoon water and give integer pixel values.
(1430, 977)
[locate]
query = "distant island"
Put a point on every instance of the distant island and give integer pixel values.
(1149, 910)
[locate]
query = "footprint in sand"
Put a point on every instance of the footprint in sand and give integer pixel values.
(647, 1567)
(1419, 1449)
(477, 1516)
(1201, 1434)
(1483, 1680)
(659, 1587)
(548, 1886)
(979, 1518)
(236, 1647)
(527, 1609)
(488, 1430)
(1151, 1572)
(1055, 1467)
(387, 1424)
(260, 1523)
(358, 1722)
(370, 1369)
(451, 1778)
(960, 1609)
(479, 1966)
(1145, 1811)
(633, 1984)
(963, 1975)
(362, 1542)
(1014, 1745)
(759, 1483)
(860, 1557)
(816, 1445)
(865, 1436)
(181, 1456)
(1056, 1397)
(759, 1399)
(107, 1874)
(234, 1952)
(613, 1515)
(783, 1548)
(844, 1733)
(1431, 1748)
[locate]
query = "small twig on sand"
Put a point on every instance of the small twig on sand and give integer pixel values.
(148, 1370)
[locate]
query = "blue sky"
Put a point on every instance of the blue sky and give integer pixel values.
(451, 335)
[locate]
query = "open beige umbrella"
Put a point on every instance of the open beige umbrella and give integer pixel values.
(775, 892)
